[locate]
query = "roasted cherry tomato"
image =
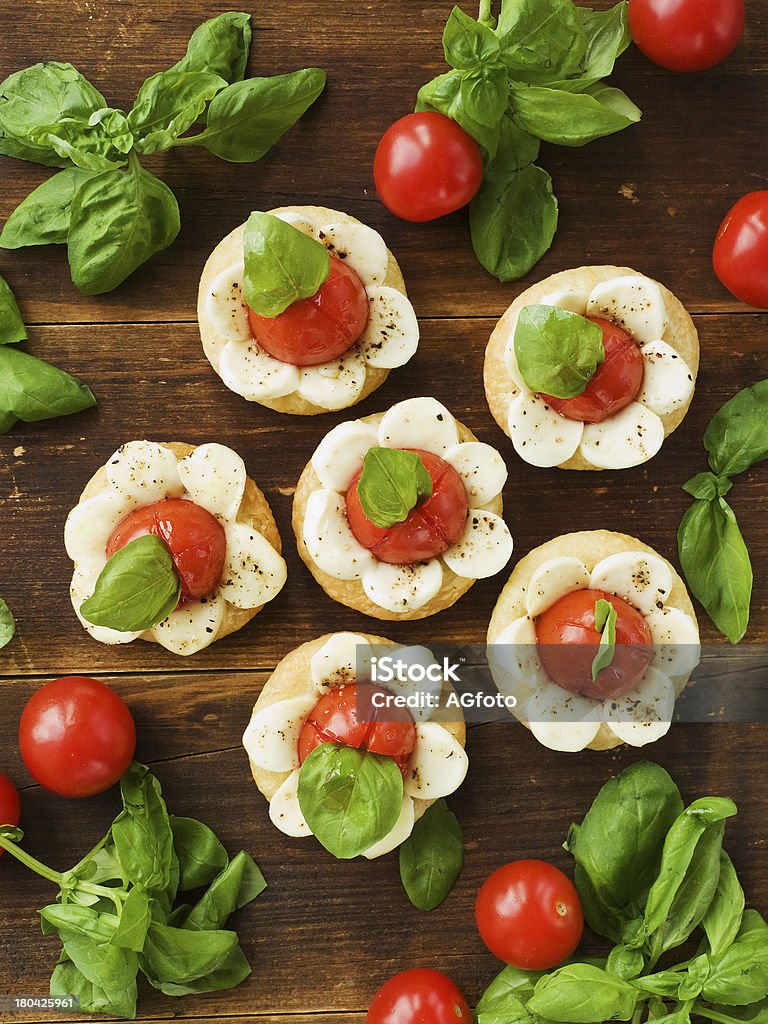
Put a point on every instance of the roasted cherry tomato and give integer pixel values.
(529, 915)
(77, 736)
(419, 996)
(567, 641)
(430, 528)
(195, 538)
(10, 803)
(426, 166)
(686, 35)
(320, 328)
(616, 381)
(740, 256)
(334, 719)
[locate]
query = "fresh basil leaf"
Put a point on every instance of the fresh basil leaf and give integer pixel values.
(708, 486)
(200, 854)
(571, 119)
(168, 104)
(246, 119)
(663, 983)
(115, 126)
(723, 917)
(176, 956)
(754, 1013)
(88, 147)
(12, 327)
(118, 220)
(240, 882)
(349, 798)
(694, 977)
(608, 36)
(583, 994)
(716, 565)
(142, 831)
(739, 975)
(233, 970)
(737, 435)
(443, 95)
(625, 962)
(506, 998)
(484, 94)
(135, 917)
(557, 351)
(392, 484)
(219, 46)
(605, 624)
(137, 588)
(7, 624)
(43, 217)
(466, 43)
(68, 980)
(32, 390)
(282, 264)
(541, 39)
(432, 857)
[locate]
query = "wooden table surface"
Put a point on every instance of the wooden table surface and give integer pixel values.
(326, 934)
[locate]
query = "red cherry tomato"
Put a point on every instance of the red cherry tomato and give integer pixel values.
(195, 538)
(740, 256)
(426, 166)
(567, 641)
(431, 527)
(10, 803)
(686, 35)
(77, 737)
(320, 328)
(419, 996)
(528, 914)
(334, 719)
(616, 381)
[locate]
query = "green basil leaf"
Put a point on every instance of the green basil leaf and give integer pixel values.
(605, 624)
(68, 980)
(722, 920)
(200, 854)
(114, 124)
(219, 46)
(88, 147)
(137, 588)
(142, 831)
(754, 1013)
(557, 351)
(625, 962)
(349, 798)
(392, 484)
(571, 119)
(43, 217)
(177, 956)
(246, 119)
(12, 327)
(232, 971)
(694, 977)
(7, 624)
(716, 565)
(608, 36)
(118, 220)
(432, 857)
(32, 390)
(135, 917)
(505, 1001)
(484, 94)
(708, 486)
(443, 95)
(737, 435)
(541, 39)
(282, 264)
(739, 975)
(466, 43)
(583, 994)
(662, 983)
(240, 882)
(168, 104)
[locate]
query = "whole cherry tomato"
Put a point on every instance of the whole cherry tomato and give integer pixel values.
(10, 803)
(318, 329)
(430, 528)
(686, 35)
(419, 996)
(426, 166)
(529, 915)
(740, 255)
(77, 737)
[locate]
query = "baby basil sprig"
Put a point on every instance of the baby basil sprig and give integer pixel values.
(392, 484)
(605, 624)
(533, 73)
(557, 351)
(282, 264)
(712, 551)
(112, 213)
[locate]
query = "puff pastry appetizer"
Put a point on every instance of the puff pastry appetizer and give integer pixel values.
(591, 369)
(304, 310)
(313, 698)
(595, 636)
(180, 524)
(397, 514)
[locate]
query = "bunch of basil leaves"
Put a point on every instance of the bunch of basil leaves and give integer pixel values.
(651, 875)
(31, 389)
(118, 910)
(111, 212)
(712, 551)
(534, 73)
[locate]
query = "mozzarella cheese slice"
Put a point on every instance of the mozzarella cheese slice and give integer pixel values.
(634, 303)
(561, 720)
(284, 810)
(82, 586)
(422, 420)
(145, 472)
(552, 580)
(254, 572)
(675, 635)
(225, 305)
(644, 714)
(483, 549)
(510, 358)
(514, 658)
(422, 685)
(642, 578)
(298, 221)
(402, 829)
(214, 478)
(360, 247)
(391, 336)
(482, 469)
(667, 378)
(403, 588)
(572, 299)
(191, 627)
(90, 525)
(629, 438)
(342, 659)
(439, 763)
(334, 385)
(341, 452)
(330, 542)
(272, 736)
(249, 371)
(540, 435)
